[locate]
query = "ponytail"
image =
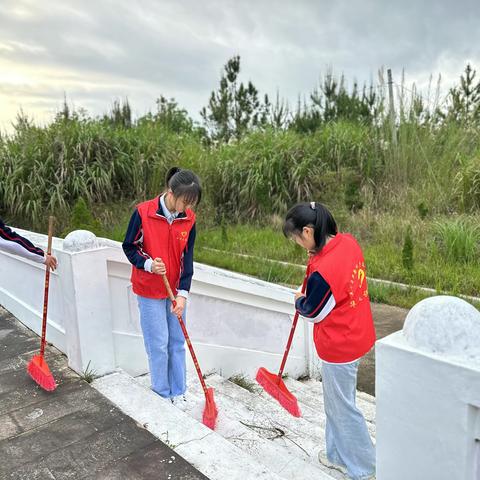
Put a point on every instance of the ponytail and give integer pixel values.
(314, 215)
(170, 174)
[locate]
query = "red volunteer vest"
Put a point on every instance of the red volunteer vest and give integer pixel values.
(164, 240)
(348, 332)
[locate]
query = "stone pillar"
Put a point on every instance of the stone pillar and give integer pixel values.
(428, 394)
(87, 305)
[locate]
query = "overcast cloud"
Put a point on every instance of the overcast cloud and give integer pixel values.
(99, 50)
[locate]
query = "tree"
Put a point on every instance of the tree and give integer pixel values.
(278, 113)
(307, 119)
(234, 108)
(336, 103)
(65, 113)
(332, 101)
(465, 98)
(170, 115)
(121, 114)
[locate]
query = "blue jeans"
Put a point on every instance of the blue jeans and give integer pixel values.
(165, 346)
(348, 441)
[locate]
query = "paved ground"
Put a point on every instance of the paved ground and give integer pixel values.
(74, 432)
(387, 320)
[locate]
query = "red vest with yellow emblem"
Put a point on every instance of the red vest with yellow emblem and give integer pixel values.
(163, 240)
(348, 332)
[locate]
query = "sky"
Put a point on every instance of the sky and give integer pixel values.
(96, 51)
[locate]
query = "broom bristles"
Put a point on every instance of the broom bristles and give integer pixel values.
(278, 391)
(210, 411)
(40, 373)
(289, 404)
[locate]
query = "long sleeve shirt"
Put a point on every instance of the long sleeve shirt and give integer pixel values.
(318, 301)
(13, 242)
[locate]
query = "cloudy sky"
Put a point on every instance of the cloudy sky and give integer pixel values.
(99, 50)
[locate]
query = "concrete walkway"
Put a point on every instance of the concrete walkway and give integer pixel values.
(73, 432)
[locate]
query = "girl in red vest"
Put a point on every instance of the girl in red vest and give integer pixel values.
(159, 240)
(336, 301)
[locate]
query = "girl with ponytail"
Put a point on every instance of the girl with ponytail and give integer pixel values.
(336, 301)
(160, 240)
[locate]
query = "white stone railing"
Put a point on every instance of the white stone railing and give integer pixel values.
(237, 323)
(427, 376)
(428, 394)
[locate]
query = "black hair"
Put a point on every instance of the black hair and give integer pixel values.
(184, 183)
(310, 214)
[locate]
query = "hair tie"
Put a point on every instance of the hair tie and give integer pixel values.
(313, 206)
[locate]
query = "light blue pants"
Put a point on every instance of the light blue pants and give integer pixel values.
(165, 346)
(348, 441)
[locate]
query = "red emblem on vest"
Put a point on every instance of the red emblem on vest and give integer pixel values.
(358, 290)
(183, 236)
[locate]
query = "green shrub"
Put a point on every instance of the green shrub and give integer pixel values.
(407, 251)
(458, 240)
(353, 199)
(422, 210)
(82, 219)
(467, 184)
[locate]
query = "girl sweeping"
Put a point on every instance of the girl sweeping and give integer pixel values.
(160, 239)
(337, 302)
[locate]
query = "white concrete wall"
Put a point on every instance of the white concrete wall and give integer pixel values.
(237, 323)
(22, 288)
(428, 405)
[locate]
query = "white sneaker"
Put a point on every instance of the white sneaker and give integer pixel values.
(179, 401)
(322, 458)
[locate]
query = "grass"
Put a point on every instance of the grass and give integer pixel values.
(89, 374)
(292, 277)
(396, 296)
(381, 235)
(166, 439)
(380, 293)
(263, 269)
(244, 382)
(262, 241)
(46, 170)
(429, 184)
(458, 239)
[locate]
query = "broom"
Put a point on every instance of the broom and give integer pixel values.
(210, 411)
(273, 384)
(38, 368)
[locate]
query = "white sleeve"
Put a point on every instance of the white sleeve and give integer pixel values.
(16, 249)
(329, 306)
(148, 265)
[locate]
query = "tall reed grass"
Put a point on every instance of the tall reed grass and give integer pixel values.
(432, 163)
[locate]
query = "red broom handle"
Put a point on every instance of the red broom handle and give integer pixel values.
(185, 334)
(292, 332)
(47, 284)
